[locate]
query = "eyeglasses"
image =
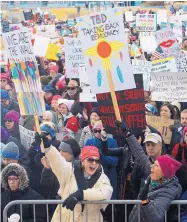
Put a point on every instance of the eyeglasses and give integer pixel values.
(91, 160)
(3, 80)
(13, 179)
(71, 88)
(9, 120)
(96, 131)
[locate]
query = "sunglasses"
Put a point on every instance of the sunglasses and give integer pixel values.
(71, 88)
(9, 120)
(91, 160)
(97, 131)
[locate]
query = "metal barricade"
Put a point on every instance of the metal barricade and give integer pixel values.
(56, 202)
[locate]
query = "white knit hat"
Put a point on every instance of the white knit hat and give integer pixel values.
(67, 102)
(177, 104)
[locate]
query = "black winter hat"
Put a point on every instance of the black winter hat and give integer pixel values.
(96, 110)
(70, 146)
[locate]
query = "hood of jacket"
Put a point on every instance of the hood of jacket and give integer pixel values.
(18, 169)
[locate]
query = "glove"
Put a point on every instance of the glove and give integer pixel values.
(123, 127)
(39, 137)
(145, 189)
(72, 200)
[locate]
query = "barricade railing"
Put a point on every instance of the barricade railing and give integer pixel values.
(109, 202)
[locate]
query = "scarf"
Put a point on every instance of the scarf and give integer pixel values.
(158, 184)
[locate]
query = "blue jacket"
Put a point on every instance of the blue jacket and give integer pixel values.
(109, 163)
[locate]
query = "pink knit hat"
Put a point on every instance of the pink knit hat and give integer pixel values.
(98, 125)
(67, 102)
(168, 165)
(54, 68)
(12, 115)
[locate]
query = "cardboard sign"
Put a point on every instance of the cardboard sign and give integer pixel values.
(28, 14)
(86, 95)
(169, 87)
(74, 56)
(144, 68)
(166, 39)
(164, 65)
(3, 57)
(27, 137)
(131, 105)
(162, 125)
(146, 22)
(105, 50)
(18, 45)
(5, 26)
(40, 45)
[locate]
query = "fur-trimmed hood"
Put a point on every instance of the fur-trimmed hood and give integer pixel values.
(22, 174)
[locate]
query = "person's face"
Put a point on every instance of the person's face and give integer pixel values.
(184, 119)
(47, 118)
(13, 182)
(46, 66)
(156, 171)
(62, 109)
(5, 102)
(185, 43)
(48, 95)
(94, 117)
(185, 138)
(97, 133)
(54, 105)
(91, 164)
(146, 95)
(4, 82)
(165, 112)
(68, 157)
(8, 161)
(72, 90)
(9, 124)
(52, 73)
(153, 149)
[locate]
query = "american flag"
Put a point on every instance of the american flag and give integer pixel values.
(157, 53)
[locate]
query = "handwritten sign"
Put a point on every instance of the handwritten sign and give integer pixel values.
(18, 45)
(41, 45)
(181, 62)
(162, 125)
(131, 106)
(27, 137)
(146, 22)
(169, 87)
(166, 39)
(3, 57)
(47, 30)
(28, 14)
(105, 50)
(74, 56)
(164, 65)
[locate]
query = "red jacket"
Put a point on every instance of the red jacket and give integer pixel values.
(179, 152)
(72, 123)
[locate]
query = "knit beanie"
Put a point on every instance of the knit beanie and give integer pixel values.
(67, 102)
(49, 128)
(98, 125)
(5, 76)
(10, 151)
(13, 115)
(168, 165)
(53, 68)
(184, 131)
(70, 146)
(95, 110)
(4, 94)
(4, 135)
(45, 80)
(49, 88)
(56, 97)
(89, 151)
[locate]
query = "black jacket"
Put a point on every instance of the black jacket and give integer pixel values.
(27, 210)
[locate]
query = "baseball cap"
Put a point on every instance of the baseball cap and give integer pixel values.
(153, 137)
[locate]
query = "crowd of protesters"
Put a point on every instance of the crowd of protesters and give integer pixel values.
(82, 161)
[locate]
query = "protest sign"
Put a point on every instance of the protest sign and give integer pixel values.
(28, 14)
(129, 16)
(181, 62)
(5, 26)
(86, 95)
(147, 42)
(162, 125)
(27, 137)
(18, 45)
(131, 106)
(40, 45)
(74, 56)
(169, 87)
(144, 68)
(177, 29)
(47, 30)
(162, 16)
(166, 39)
(146, 22)
(106, 53)
(3, 57)
(164, 65)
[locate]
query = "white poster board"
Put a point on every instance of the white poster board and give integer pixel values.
(47, 30)
(27, 137)
(169, 87)
(18, 45)
(40, 45)
(129, 16)
(105, 50)
(74, 57)
(162, 16)
(146, 22)
(148, 43)
(164, 65)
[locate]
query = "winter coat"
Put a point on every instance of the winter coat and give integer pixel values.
(160, 198)
(72, 123)
(24, 192)
(109, 163)
(85, 135)
(179, 152)
(64, 171)
(13, 106)
(184, 208)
